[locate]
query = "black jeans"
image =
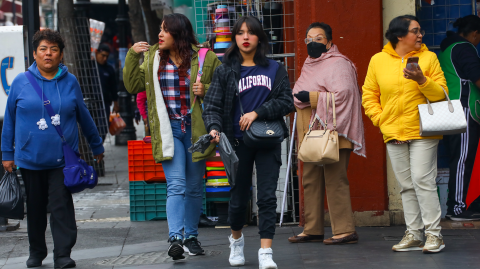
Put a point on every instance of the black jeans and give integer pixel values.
(268, 162)
(46, 187)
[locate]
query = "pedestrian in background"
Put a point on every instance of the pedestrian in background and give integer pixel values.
(460, 63)
(168, 75)
(30, 141)
(268, 98)
(326, 71)
(391, 95)
(108, 81)
(143, 110)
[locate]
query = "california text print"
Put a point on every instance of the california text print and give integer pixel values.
(251, 81)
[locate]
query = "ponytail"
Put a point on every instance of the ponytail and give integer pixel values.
(467, 24)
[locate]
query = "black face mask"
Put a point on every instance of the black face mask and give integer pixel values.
(315, 49)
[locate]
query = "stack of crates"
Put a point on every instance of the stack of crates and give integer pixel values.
(141, 165)
(147, 183)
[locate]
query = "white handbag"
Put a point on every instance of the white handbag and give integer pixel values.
(442, 118)
(321, 146)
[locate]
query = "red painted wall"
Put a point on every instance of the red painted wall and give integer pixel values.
(358, 32)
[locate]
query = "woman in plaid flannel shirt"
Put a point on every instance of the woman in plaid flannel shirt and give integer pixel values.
(168, 75)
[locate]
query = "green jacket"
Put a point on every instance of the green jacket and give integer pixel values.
(138, 78)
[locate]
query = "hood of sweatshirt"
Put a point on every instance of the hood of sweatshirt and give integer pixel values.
(390, 50)
(34, 70)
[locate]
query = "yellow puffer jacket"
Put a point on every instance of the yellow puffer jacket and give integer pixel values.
(391, 101)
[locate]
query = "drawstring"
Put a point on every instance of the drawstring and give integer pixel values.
(43, 104)
(59, 98)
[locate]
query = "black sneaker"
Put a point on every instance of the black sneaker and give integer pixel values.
(206, 222)
(193, 247)
(176, 249)
(466, 216)
(64, 262)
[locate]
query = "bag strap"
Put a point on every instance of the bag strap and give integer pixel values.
(334, 113)
(46, 103)
(326, 114)
(326, 110)
(450, 105)
(239, 100)
(202, 54)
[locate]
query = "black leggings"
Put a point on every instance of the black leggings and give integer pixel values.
(268, 162)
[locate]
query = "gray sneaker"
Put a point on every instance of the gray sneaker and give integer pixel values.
(408, 243)
(434, 244)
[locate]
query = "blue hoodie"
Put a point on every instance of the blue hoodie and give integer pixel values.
(24, 142)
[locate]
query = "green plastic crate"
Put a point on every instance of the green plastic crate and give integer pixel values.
(149, 201)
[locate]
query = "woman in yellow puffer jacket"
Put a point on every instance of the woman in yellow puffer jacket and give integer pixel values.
(391, 95)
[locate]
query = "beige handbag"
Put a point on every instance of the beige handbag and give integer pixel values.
(321, 146)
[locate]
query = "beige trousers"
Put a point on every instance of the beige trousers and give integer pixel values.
(415, 167)
(333, 178)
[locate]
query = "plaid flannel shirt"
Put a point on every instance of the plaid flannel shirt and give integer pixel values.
(176, 93)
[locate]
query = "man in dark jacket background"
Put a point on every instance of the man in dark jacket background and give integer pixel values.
(108, 79)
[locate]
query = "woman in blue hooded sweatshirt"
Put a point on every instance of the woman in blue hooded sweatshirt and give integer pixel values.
(30, 141)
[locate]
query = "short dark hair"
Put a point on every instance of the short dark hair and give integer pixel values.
(398, 27)
(467, 24)
(254, 25)
(103, 47)
(50, 36)
(322, 25)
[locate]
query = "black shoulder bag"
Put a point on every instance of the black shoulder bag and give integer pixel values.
(262, 133)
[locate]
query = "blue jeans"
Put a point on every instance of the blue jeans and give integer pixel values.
(184, 185)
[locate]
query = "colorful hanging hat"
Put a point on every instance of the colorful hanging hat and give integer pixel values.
(216, 174)
(221, 45)
(215, 164)
(223, 39)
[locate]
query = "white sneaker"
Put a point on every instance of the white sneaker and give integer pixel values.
(236, 251)
(265, 260)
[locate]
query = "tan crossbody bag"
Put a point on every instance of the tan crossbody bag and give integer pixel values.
(321, 146)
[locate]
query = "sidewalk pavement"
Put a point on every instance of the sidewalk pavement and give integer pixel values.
(107, 239)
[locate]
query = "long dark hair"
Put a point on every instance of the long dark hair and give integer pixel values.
(181, 30)
(398, 27)
(233, 52)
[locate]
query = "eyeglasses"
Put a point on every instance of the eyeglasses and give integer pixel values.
(317, 39)
(417, 31)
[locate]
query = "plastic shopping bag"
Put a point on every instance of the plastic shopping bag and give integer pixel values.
(116, 124)
(11, 198)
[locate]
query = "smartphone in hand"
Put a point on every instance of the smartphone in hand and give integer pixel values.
(412, 63)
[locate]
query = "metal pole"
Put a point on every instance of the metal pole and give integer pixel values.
(31, 18)
(14, 12)
(124, 98)
(287, 177)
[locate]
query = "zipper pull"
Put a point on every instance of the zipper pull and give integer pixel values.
(402, 60)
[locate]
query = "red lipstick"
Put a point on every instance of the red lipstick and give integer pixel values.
(246, 44)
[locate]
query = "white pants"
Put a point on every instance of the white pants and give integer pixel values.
(415, 167)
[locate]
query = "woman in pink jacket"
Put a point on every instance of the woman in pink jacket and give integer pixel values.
(325, 71)
(142, 107)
